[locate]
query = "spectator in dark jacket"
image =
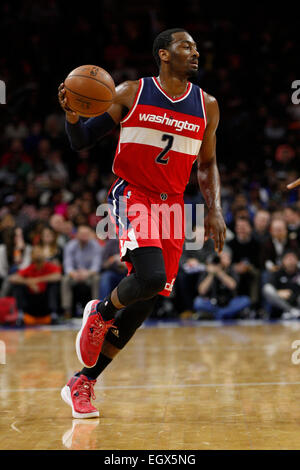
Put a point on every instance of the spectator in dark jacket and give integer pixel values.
(245, 258)
(261, 222)
(292, 219)
(217, 289)
(282, 291)
(278, 242)
(192, 262)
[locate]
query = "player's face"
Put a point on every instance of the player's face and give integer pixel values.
(183, 55)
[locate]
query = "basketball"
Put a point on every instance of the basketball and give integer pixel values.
(90, 90)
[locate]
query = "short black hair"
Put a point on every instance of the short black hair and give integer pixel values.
(163, 40)
(290, 251)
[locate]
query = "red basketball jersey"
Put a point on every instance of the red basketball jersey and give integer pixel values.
(160, 138)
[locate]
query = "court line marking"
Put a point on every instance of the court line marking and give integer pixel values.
(152, 324)
(203, 346)
(15, 428)
(157, 386)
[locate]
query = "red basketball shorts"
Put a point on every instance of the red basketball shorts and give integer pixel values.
(148, 219)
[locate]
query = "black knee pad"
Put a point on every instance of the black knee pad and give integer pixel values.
(149, 276)
(152, 285)
(133, 288)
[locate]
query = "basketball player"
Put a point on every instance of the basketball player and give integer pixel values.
(166, 124)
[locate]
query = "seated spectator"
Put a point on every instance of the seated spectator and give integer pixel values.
(34, 136)
(7, 220)
(36, 289)
(239, 209)
(52, 251)
(261, 223)
(113, 269)
(278, 242)
(56, 168)
(59, 225)
(245, 258)
(82, 262)
(292, 219)
(54, 130)
(15, 254)
(282, 291)
(192, 262)
(17, 154)
(16, 128)
(217, 289)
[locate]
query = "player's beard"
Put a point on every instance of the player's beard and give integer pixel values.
(193, 73)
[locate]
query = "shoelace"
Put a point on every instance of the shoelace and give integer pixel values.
(100, 328)
(86, 391)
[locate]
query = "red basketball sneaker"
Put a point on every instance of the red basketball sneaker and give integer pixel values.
(91, 335)
(78, 393)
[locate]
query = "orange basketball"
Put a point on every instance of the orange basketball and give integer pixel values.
(90, 90)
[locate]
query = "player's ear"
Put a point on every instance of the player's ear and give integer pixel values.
(164, 55)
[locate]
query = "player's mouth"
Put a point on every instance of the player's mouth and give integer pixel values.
(194, 64)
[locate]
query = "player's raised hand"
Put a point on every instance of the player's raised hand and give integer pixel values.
(62, 98)
(215, 228)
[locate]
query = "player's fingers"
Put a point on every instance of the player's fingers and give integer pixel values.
(223, 238)
(67, 108)
(217, 242)
(213, 234)
(64, 104)
(61, 95)
(206, 230)
(221, 241)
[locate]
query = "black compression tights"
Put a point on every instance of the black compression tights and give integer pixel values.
(139, 293)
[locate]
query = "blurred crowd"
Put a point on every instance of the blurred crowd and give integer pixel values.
(49, 194)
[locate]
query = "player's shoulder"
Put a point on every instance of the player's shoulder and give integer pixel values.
(209, 99)
(211, 107)
(126, 91)
(128, 85)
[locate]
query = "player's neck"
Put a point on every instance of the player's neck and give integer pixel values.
(173, 86)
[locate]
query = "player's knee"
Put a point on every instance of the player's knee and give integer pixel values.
(134, 287)
(153, 284)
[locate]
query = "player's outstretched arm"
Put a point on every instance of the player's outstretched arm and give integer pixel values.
(294, 184)
(85, 134)
(209, 178)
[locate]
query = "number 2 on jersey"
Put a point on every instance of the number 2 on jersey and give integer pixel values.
(160, 158)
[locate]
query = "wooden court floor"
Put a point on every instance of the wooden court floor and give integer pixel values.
(190, 387)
